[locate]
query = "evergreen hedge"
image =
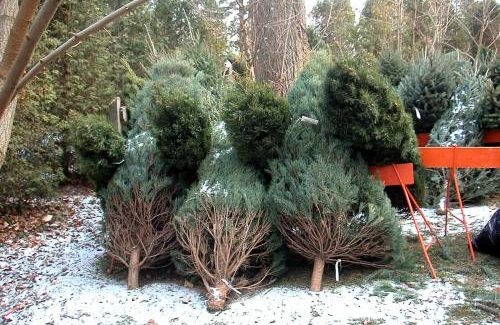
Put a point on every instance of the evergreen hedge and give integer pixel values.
(98, 146)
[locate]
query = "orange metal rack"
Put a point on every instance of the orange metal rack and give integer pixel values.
(450, 158)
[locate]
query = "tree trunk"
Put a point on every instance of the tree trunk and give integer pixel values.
(317, 274)
(133, 269)
(217, 300)
(8, 11)
(280, 46)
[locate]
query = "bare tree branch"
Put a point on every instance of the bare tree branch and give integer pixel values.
(41, 22)
(78, 37)
(18, 34)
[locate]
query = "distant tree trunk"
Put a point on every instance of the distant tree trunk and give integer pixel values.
(8, 11)
(246, 47)
(280, 46)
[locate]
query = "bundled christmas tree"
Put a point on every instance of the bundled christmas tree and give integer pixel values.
(223, 228)
(306, 95)
(460, 125)
(427, 89)
(256, 121)
(490, 103)
(363, 110)
(327, 206)
(139, 209)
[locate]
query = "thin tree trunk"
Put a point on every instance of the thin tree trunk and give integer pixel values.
(217, 299)
(8, 11)
(317, 274)
(133, 269)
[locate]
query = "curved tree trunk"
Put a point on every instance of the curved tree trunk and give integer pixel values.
(317, 274)
(8, 11)
(133, 269)
(280, 46)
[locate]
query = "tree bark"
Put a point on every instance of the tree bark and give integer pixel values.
(217, 300)
(317, 274)
(8, 11)
(280, 46)
(133, 269)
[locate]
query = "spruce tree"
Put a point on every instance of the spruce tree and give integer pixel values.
(327, 206)
(223, 227)
(461, 126)
(427, 89)
(139, 209)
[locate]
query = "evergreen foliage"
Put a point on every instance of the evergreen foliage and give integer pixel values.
(490, 103)
(223, 227)
(319, 181)
(172, 106)
(306, 95)
(461, 126)
(392, 66)
(99, 148)
(33, 165)
(181, 128)
(256, 121)
(427, 89)
(139, 207)
(364, 110)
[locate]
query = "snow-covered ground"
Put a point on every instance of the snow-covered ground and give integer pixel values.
(53, 277)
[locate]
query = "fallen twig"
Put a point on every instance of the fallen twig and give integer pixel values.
(489, 309)
(17, 307)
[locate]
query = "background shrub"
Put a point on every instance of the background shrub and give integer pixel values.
(99, 148)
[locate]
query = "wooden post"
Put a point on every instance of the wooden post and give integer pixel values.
(114, 114)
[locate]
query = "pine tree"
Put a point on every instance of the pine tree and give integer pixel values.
(223, 227)
(256, 120)
(327, 206)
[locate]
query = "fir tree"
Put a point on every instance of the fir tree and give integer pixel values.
(327, 206)
(392, 66)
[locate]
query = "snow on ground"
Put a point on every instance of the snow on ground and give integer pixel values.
(54, 278)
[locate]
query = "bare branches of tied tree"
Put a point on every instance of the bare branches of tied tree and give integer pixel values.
(139, 209)
(140, 228)
(224, 248)
(224, 230)
(328, 238)
(327, 207)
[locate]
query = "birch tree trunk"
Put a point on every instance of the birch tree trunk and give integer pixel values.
(8, 11)
(280, 46)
